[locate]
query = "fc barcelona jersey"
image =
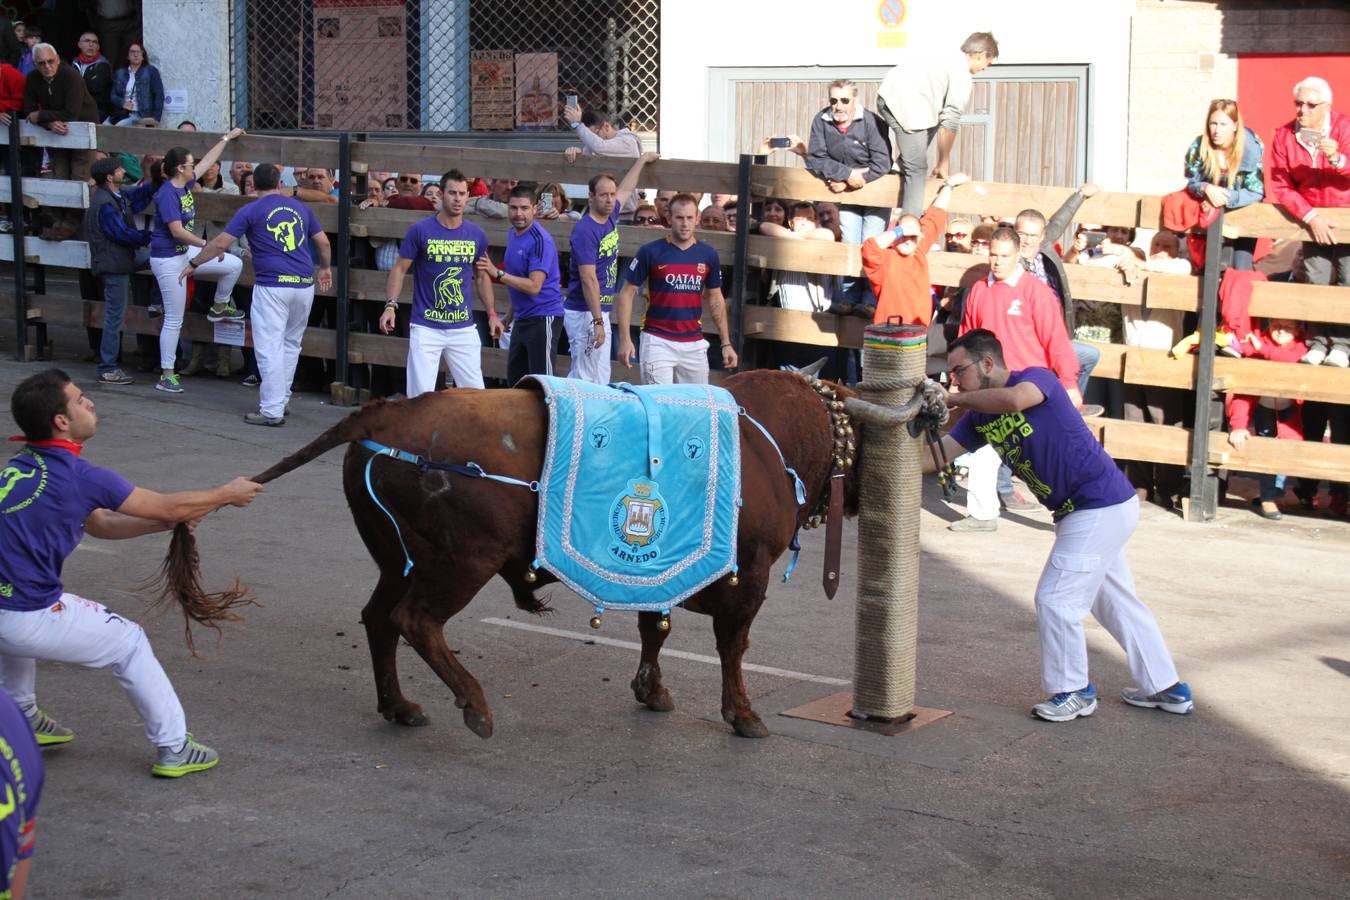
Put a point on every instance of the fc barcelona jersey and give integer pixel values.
(676, 280)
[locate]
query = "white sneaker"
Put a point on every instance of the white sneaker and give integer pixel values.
(1338, 358)
(1314, 357)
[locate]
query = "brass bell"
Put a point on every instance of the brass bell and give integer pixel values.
(595, 622)
(530, 577)
(734, 581)
(664, 624)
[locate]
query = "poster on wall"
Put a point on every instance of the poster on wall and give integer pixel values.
(360, 73)
(493, 96)
(537, 105)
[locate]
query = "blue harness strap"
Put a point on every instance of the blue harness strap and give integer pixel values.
(800, 489)
(470, 470)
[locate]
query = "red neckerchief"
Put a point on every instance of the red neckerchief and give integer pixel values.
(86, 59)
(60, 443)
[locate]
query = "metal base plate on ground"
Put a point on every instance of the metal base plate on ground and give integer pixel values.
(834, 710)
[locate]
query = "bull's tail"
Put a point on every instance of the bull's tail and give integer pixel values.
(179, 578)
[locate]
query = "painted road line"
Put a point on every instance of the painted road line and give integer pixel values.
(665, 653)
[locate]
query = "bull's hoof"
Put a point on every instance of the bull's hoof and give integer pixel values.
(480, 723)
(750, 728)
(658, 700)
(406, 713)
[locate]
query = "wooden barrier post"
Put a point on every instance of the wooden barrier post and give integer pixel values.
(1203, 502)
(16, 223)
(740, 267)
(342, 257)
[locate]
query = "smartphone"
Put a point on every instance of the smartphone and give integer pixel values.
(546, 203)
(780, 143)
(1095, 238)
(1310, 135)
(571, 99)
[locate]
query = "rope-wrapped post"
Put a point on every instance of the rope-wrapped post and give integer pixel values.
(890, 491)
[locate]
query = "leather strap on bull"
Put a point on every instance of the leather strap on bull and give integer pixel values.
(890, 488)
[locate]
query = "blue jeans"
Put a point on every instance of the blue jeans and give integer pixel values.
(857, 224)
(115, 289)
(1088, 357)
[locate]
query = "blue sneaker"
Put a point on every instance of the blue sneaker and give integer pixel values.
(1066, 706)
(1176, 699)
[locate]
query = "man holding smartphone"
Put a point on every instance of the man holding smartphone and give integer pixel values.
(594, 273)
(599, 137)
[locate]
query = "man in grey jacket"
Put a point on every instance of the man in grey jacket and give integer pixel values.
(922, 98)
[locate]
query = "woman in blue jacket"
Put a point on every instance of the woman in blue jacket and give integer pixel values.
(1223, 168)
(138, 91)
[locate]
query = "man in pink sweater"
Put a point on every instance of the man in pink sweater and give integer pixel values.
(1026, 317)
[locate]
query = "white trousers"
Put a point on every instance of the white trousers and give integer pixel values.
(225, 272)
(982, 483)
(1087, 572)
(589, 363)
(461, 349)
(80, 631)
(279, 317)
(672, 362)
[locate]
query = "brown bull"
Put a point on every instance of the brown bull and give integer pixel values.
(461, 531)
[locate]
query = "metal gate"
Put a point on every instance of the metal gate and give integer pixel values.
(443, 65)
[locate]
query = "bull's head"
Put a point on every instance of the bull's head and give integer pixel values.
(929, 400)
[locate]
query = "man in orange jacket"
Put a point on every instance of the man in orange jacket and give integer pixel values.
(896, 262)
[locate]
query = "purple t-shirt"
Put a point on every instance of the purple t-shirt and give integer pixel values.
(278, 231)
(45, 496)
(533, 251)
(22, 776)
(1050, 448)
(594, 244)
(443, 271)
(172, 204)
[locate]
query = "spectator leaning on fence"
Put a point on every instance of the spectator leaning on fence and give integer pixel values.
(170, 245)
(896, 262)
(53, 95)
(1223, 169)
(137, 91)
(681, 275)
(117, 248)
(922, 99)
(442, 251)
(599, 137)
(1310, 168)
(849, 148)
(593, 274)
(280, 231)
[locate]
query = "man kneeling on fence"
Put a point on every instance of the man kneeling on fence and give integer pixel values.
(1029, 420)
(279, 229)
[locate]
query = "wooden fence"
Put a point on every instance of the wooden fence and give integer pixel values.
(743, 252)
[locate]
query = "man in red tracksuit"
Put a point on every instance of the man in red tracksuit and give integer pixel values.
(1026, 317)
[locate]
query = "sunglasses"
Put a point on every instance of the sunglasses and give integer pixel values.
(840, 101)
(979, 243)
(957, 235)
(1304, 104)
(644, 220)
(402, 179)
(906, 238)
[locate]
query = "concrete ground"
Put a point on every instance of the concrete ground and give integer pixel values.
(581, 792)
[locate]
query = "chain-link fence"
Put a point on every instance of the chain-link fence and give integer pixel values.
(443, 65)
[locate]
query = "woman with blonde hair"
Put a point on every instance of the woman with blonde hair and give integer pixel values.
(1223, 168)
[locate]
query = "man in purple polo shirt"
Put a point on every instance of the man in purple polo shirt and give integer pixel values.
(441, 252)
(1029, 420)
(49, 499)
(533, 281)
(279, 229)
(593, 271)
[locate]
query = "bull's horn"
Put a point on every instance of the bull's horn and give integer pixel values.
(813, 370)
(882, 416)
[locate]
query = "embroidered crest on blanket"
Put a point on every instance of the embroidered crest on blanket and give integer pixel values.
(640, 493)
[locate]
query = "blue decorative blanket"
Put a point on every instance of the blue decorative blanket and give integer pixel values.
(641, 490)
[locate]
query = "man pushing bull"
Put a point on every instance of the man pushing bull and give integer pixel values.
(50, 497)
